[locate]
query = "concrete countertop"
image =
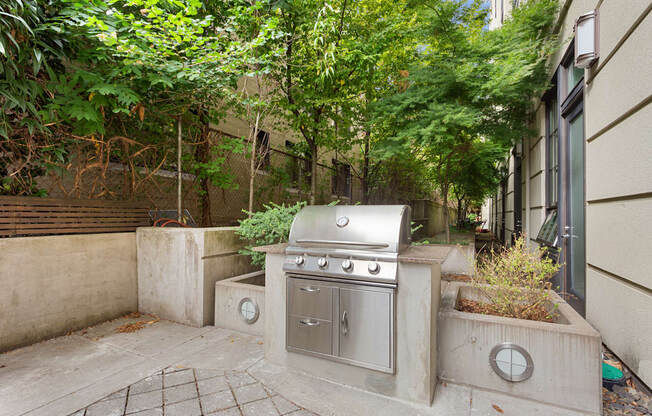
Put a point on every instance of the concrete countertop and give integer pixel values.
(414, 254)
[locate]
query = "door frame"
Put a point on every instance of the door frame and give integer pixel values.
(571, 106)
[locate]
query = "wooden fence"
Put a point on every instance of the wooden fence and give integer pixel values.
(26, 216)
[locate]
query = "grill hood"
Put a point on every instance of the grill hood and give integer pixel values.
(361, 228)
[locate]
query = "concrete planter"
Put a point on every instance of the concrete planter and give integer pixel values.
(229, 297)
(460, 260)
(178, 268)
(565, 356)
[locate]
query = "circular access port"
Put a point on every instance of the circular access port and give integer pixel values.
(511, 362)
(249, 310)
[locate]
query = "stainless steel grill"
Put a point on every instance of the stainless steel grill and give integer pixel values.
(341, 264)
(359, 242)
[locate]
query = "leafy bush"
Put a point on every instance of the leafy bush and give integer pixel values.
(271, 226)
(516, 282)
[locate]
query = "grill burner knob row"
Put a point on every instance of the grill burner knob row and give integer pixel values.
(322, 262)
(298, 260)
(374, 267)
(347, 265)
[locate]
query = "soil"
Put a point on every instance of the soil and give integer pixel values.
(535, 314)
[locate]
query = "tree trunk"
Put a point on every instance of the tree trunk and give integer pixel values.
(365, 169)
(179, 169)
(446, 214)
(252, 165)
(313, 173)
(202, 155)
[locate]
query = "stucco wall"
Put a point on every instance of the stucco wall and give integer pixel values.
(54, 284)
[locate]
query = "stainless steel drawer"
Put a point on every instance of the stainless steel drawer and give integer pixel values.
(310, 298)
(310, 334)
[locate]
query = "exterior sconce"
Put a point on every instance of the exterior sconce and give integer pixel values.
(586, 39)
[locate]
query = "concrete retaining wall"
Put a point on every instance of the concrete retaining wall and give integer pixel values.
(53, 284)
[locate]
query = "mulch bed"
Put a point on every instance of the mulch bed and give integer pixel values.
(632, 399)
(534, 314)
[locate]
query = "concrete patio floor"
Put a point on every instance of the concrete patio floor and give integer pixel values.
(172, 369)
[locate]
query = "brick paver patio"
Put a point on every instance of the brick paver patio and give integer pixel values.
(195, 392)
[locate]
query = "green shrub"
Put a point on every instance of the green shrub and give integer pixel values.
(270, 226)
(516, 282)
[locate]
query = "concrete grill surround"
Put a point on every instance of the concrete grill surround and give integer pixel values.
(417, 304)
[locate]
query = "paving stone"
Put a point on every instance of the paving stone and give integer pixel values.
(302, 412)
(283, 405)
(149, 412)
(233, 411)
(249, 393)
(114, 407)
(239, 379)
(178, 377)
(151, 383)
(116, 395)
(78, 413)
(144, 401)
(269, 391)
(186, 408)
(204, 374)
(217, 401)
(212, 385)
(173, 369)
(260, 408)
(180, 393)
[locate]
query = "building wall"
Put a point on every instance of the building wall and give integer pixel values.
(54, 284)
(618, 176)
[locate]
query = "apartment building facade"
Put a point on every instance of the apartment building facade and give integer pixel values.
(583, 184)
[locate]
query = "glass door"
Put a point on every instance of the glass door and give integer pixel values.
(574, 232)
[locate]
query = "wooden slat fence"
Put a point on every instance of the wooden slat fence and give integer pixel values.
(27, 216)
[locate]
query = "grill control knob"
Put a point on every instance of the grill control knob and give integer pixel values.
(374, 267)
(298, 260)
(322, 262)
(347, 265)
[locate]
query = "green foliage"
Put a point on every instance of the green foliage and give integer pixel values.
(215, 169)
(271, 226)
(516, 281)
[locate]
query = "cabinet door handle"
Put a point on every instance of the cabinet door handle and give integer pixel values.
(309, 289)
(345, 323)
(309, 322)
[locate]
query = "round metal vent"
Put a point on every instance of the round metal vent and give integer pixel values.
(249, 310)
(511, 362)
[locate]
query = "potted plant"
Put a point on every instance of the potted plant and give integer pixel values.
(508, 331)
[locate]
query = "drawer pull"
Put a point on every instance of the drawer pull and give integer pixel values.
(309, 289)
(309, 322)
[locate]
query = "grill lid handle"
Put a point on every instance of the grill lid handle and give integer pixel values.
(345, 243)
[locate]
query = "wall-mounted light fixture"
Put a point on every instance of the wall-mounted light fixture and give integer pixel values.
(586, 39)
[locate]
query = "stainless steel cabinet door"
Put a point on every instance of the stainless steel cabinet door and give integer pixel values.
(366, 326)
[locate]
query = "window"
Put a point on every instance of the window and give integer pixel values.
(262, 150)
(515, 3)
(341, 179)
(552, 161)
(298, 166)
(548, 231)
(573, 76)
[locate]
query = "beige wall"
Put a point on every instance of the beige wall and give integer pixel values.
(618, 174)
(54, 284)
